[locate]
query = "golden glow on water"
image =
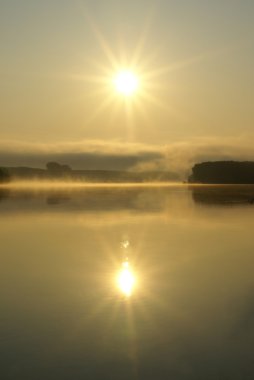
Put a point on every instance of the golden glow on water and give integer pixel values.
(58, 184)
(126, 279)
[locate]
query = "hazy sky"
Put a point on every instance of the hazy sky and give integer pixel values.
(195, 60)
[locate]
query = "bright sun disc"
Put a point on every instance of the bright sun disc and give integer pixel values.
(126, 82)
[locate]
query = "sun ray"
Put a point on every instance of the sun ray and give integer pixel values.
(102, 107)
(137, 54)
(105, 46)
(130, 120)
(174, 66)
(149, 80)
(156, 101)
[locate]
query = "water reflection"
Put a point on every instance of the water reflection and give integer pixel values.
(125, 244)
(126, 279)
(173, 299)
(226, 195)
(98, 199)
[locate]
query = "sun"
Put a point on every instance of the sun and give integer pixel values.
(126, 82)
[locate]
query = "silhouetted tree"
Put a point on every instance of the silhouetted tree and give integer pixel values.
(224, 172)
(57, 170)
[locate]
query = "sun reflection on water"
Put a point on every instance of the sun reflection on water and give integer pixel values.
(126, 279)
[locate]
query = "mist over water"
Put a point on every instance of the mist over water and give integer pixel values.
(189, 314)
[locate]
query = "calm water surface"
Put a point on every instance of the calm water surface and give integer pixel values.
(127, 283)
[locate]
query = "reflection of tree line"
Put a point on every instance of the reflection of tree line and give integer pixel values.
(223, 195)
(113, 199)
(4, 194)
(140, 200)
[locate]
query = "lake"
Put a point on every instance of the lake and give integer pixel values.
(127, 282)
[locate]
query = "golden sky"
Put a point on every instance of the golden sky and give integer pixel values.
(193, 59)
